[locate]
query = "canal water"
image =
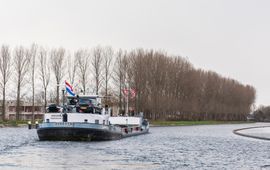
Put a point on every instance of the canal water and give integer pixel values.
(190, 147)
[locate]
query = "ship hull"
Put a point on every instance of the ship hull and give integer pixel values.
(82, 132)
(76, 134)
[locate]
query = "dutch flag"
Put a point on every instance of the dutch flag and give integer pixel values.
(69, 89)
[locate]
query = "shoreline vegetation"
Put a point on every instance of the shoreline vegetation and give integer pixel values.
(13, 123)
(161, 85)
(191, 123)
(21, 123)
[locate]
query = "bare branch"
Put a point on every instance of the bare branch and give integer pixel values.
(83, 57)
(57, 60)
(96, 66)
(44, 72)
(5, 72)
(21, 62)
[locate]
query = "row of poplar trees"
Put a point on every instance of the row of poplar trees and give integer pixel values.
(166, 87)
(40, 73)
(170, 88)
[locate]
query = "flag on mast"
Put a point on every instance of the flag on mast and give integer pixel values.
(132, 93)
(129, 93)
(69, 89)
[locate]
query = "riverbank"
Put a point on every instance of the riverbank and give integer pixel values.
(20, 123)
(190, 123)
(13, 123)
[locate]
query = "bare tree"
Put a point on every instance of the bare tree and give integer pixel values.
(170, 88)
(167, 87)
(119, 73)
(32, 57)
(21, 62)
(44, 72)
(96, 65)
(72, 68)
(5, 72)
(57, 59)
(107, 60)
(83, 57)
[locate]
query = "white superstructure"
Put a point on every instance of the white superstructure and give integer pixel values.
(125, 120)
(77, 118)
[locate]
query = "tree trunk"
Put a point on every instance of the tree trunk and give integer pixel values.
(97, 84)
(4, 104)
(106, 92)
(57, 94)
(84, 88)
(45, 99)
(33, 101)
(18, 102)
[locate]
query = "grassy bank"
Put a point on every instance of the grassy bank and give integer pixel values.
(13, 123)
(189, 123)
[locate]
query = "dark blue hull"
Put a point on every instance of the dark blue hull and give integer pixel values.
(82, 132)
(76, 134)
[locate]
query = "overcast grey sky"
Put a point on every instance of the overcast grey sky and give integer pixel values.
(230, 37)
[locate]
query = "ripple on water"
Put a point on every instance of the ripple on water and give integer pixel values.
(193, 147)
(14, 138)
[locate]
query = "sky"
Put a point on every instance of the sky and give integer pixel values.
(230, 37)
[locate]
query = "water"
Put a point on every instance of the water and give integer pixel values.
(191, 147)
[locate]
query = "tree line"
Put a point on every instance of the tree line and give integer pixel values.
(261, 114)
(166, 87)
(170, 88)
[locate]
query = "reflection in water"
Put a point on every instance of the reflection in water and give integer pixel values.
(191, 147)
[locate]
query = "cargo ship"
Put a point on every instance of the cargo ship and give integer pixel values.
(83, 119)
